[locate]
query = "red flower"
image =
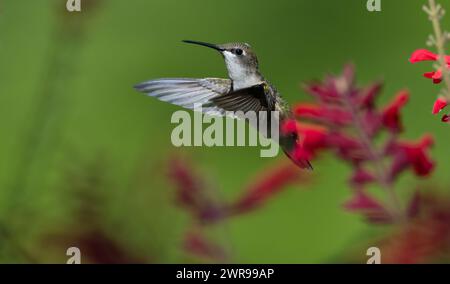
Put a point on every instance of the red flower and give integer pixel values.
(418, 157)
(446, 118)
(312, 139)
(196, 196)
(422, 55)
(439, 104)
(391, 113)
(197, 244)
(426, 55)
(423, 239)
(435, 75)
(193, 193)
(340, 102)
(320, 113)
(205, 209)
(369, 95)
(362, 201)
(267, 185)
(370, 208)
(361, 177)
(348, 148)
(289, 126)
(412, 154)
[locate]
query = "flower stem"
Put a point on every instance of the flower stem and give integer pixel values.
(382, 177)
(434, 12)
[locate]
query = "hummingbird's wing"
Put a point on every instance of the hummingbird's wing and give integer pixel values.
(254, 98)
(187, 93)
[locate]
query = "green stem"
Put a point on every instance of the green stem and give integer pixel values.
(440, 44)
(381, 173)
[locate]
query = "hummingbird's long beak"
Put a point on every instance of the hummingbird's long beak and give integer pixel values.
(210, 45)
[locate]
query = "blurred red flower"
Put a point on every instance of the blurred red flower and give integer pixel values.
(196, 243)
(424, 239)
(366, 205)
(266, 185)
(391, 113)
(198, 197)
(347, 122)
(193, 193)
(411, 154)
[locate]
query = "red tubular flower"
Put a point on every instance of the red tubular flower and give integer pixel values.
(422, 55)
(321, 92)
(267, 185)
(312, 139)
(197, 244)
(362, 201)
(308, 110)
(195, 197)
(372, 122)
(369, 96)
(418, 157)
(348, 148)
(319, 113)
(391, 113)
(412, 154)
(188, 184)
(435, 75)
(193, 194)
(361, 177)
(426, 55)
(288, 127)
(439, 104)
(366, 205)
(355, 143)
(425, 238)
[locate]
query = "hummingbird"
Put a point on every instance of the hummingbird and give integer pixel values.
(244, 90)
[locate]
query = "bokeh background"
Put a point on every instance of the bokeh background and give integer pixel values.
(83, 155)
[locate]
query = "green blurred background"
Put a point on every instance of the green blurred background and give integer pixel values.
(72, 122)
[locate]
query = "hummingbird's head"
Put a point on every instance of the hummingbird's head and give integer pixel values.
(241, 62)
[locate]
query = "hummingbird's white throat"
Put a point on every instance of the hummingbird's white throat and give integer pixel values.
(243, 75)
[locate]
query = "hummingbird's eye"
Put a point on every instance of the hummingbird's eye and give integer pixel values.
(238, 51)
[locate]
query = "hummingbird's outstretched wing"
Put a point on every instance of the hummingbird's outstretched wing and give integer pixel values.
(186, 92)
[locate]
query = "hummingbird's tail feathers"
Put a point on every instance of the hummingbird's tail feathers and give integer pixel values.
(187, 92)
